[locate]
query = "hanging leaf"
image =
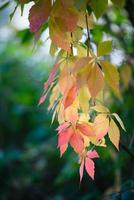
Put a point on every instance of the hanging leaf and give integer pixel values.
(104, 48)
(114, 133)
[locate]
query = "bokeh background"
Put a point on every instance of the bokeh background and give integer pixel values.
(30, 165)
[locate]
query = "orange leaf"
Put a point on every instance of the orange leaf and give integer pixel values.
(86, 129)
(70, 97)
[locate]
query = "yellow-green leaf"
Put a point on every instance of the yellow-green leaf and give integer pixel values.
(101, 109)
(119, 120)
(98, 6)
(104, 48)
(114, 133)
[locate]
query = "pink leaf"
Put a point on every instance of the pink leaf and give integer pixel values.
(64, 137)
(42, 99)
(62, 127)
(39, 13)
(51, 76)
(81, 170)
(92, 154)
(89, 165)
(76, 142)
(63, 148)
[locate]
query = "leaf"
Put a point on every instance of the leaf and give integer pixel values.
(64, 136)
(39, 14)
(126, 75)
(63, 127)
(119, 3)
(92, 154)
(86, 129)
(95, 81)
(101, 126)
(81, 170)
(111, 76)
(63, 148)
(90, 167)
(60, 38)
(104, 48)
(66, 15)
(51, 76)
(77, 143)
(84, 97)
(119, 120)
(82, 20)
(114, 133)
(70, 97)
(98, 6)
(100, 108)
(42, 99)
(71, 114)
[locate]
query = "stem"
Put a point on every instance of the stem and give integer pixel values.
(88, 35)
(72, 44)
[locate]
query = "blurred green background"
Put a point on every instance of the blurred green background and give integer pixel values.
(30, 165)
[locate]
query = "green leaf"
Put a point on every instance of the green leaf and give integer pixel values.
(119, 120)
(104, 48)
(98, 6)
(119, 3)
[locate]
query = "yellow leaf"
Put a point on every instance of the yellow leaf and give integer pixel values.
(111, 76)
(84, 98)
(82, 20)
(95, 81)
(114, 133)
(126, 75)
(101, 126)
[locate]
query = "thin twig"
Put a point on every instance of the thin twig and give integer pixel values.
(88, 35)
(72, 44)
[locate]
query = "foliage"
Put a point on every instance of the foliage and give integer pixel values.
(81, 75)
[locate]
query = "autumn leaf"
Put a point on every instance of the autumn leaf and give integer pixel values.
(51, 76)
(39, 14)
(95, 81)
(70, 97)
(86, 129)
(114, 133)
(101, 126)
(86, 160)
(111, 76)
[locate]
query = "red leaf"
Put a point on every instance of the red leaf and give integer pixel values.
(39, 13)
(89, 165)
(70, 97)
(86, 129)
(76, 142)
(51, 76)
